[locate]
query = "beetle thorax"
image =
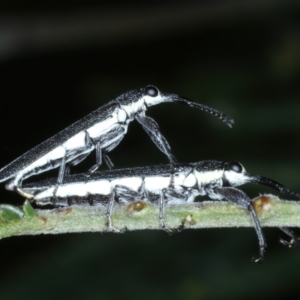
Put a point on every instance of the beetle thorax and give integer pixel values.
(208, 177)
(134, 107)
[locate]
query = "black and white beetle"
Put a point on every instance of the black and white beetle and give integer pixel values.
(103, 129)
(216, 179)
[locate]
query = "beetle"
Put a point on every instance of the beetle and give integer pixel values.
(216, 179)
(102, 130)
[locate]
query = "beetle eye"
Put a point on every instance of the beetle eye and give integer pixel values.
(235, 166)
(151, 91)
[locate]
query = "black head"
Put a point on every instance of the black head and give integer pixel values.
(153, 96)
(151, 91)
(236, 175)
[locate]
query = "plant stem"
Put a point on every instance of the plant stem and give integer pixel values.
(140, 215)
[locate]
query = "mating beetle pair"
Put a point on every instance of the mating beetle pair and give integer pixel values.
(103, 130)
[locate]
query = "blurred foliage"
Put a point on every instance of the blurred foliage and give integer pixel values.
(241, 57)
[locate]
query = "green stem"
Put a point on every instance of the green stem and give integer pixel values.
(140, 215)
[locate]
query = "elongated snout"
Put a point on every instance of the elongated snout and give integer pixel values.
(267, 182)
(175, 98)
(271, 183)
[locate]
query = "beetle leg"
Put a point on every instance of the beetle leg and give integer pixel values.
(67, 170)
(295, 240)
(61, 174)
(240, 198)
(172, 172)
(152, 128)
(62, 170)
(110, 205)
(108, 161)
(173, 196)
(123, 194)
(161, 215)
(95, 167)
(99, 156)
(24, 194)
(90, 141)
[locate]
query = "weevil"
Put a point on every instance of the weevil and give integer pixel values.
(102, 130)
(216, 179)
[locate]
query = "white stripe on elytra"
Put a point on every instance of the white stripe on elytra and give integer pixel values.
(77, 142)
(104, 186)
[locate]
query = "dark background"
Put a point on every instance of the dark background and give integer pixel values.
(58, 62)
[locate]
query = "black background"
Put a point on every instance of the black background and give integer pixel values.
(58, 62)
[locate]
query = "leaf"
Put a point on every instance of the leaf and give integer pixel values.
(10, 213)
